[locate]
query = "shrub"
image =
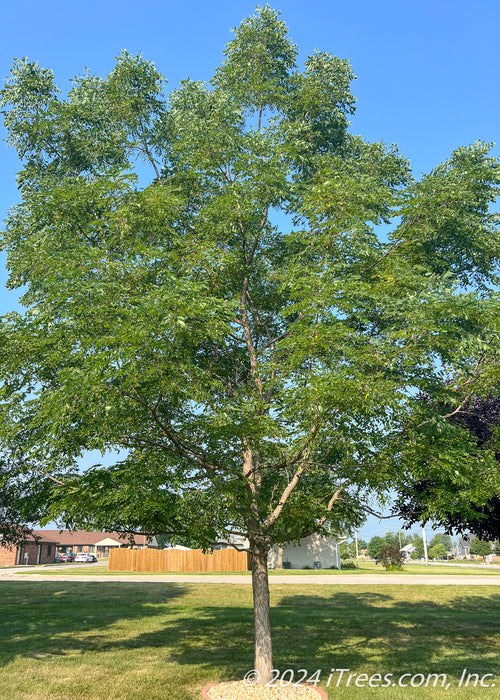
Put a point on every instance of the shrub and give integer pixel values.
(347, 564)
(391, 557)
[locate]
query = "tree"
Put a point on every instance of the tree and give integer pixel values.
(390, 538)
(374, 546)
(250, 328)
(481, 548)
(444, 539)
(437, 551)
(347, 550)
(21, 503)
(418, 543)
(454, 505)
(164, 541)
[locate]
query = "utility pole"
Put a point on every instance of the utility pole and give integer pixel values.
(425, 547)
(356, 541)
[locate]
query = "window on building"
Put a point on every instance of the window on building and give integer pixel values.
(49, 549)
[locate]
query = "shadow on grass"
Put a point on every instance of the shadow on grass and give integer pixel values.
(38, 620)
(354, 630)
(374, 631)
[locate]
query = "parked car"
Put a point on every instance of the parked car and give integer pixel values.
(66, 556)
(85, 558)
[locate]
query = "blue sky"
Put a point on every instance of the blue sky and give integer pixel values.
(428, 70)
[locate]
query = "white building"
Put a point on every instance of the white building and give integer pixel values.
(315, 551)
(407, 551)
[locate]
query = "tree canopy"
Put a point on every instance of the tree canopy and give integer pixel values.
(240, 297)
(444, 539)
(437, 551)
(480, 547)
(454, 505)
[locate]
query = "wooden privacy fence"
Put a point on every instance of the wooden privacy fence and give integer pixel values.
(176, 560)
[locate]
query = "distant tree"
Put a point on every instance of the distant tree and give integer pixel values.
(481, 548)
(418, 543)
(163, 541)
(391, 538)
(405, 538)
(347, 550)
(362, 544)
(184, 540)
(395, 538)
(444, 539)
(374, 546)
(437, 551)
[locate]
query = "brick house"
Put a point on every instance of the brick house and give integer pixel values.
(32, 551)
(43, 550)
(97, 543)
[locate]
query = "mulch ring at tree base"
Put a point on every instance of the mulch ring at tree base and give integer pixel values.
(240, 690)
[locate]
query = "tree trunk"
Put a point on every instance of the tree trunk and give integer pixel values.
(263, 644)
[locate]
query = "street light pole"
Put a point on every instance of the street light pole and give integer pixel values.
(425, 547)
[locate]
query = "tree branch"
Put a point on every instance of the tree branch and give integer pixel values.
(387, 252)
(334, 498)
(272, 517)
(178, 447)
(248, 338)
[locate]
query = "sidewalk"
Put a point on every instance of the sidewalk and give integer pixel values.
(324, 580)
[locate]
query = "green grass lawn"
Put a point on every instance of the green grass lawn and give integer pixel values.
(65, 640)
(367, 567)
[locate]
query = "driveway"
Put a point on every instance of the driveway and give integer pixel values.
(15, 571)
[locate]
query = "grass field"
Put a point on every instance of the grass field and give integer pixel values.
(129, 641)
(367, 567)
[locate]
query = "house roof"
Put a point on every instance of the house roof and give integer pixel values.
(82, 537)
(41, 535)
